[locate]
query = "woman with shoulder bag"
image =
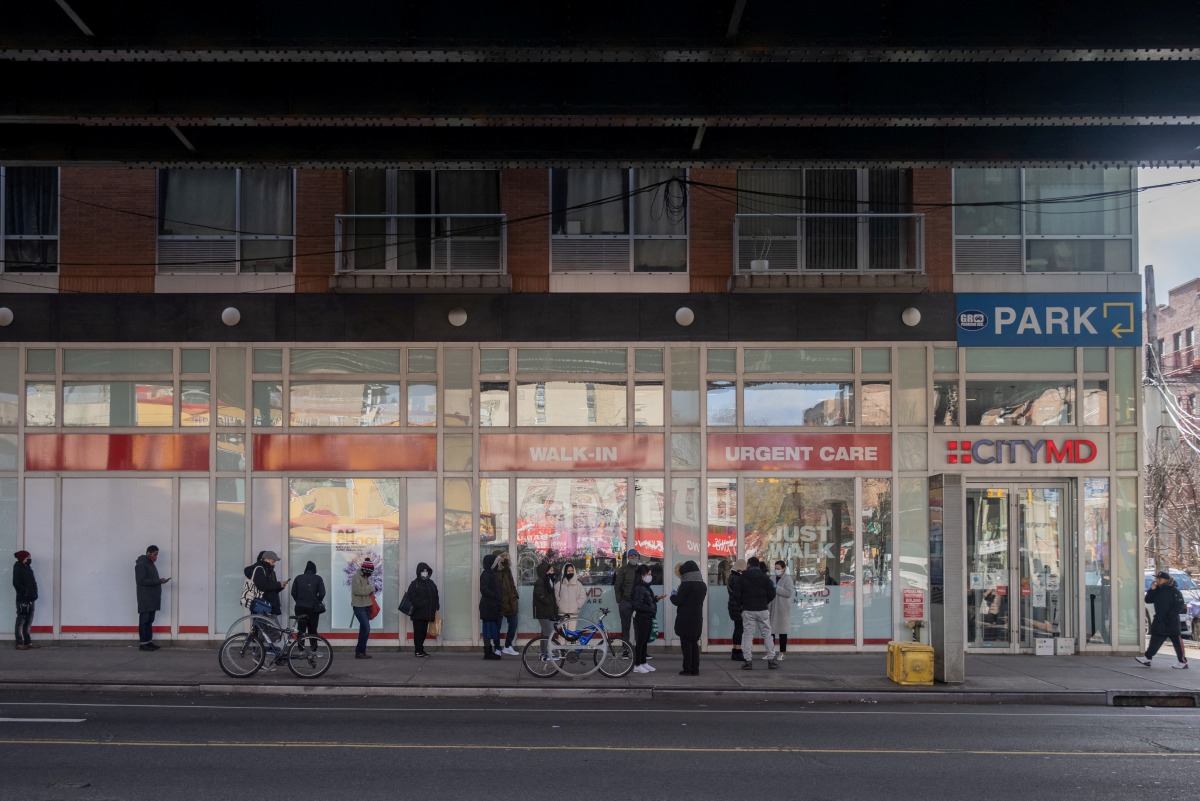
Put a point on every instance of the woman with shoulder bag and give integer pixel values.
(423, 595)
(362, 593)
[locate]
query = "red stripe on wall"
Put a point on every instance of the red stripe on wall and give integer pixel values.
(111, 629)
(193, 629)
(116, 452)
(41, 629)
(400, 452)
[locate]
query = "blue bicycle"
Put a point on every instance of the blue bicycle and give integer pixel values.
(578, 648)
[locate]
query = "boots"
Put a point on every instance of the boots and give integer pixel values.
(489, 650)
(736, 655)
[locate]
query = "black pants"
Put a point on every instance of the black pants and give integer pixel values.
(691, 655)
(625, 610)
(641, 625)
(420, 627)
(737, 630)
(23, 621)
(782, 643)
(306, 621)
(1156, 641)
(145, 626)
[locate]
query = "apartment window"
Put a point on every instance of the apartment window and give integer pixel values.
(423, 221)
(226, 221)
(29, 223)
(617, 220)
(1014, 220)
(825, 220)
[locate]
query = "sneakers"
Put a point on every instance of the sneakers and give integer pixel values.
(649, 668)
(1141, 660)
(22, 647)
(747, 665)
(149, 646)
(1180, 665)
(498, 652)
(779, 656)
(420, 654)
(508, 650)
(641, 669)
(773, 664)
(361, 655)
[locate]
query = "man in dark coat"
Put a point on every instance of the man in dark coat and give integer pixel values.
(1168, 606)
(623, 584)
(27, 592)
(545, 605)
(308, 594)
(509, 600)
(689, 615)
(426, 602)
(149, 595)
(262, 573)
(757, 592)
(734, 606)
(489, 608)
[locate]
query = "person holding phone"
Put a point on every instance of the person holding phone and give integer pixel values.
(1168, 606)
(149, 596)
(645, 606)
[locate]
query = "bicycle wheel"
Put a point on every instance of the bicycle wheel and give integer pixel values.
(535, 661)
(309, 656)
(241, 656)
(619, 659)
(581, 657)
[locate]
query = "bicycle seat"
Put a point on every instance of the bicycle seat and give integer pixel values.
(603, 611)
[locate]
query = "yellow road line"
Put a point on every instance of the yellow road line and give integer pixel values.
(621, 748)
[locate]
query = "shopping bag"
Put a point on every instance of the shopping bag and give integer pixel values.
(374, 609)
(435, 626)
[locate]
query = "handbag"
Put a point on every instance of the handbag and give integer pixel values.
(374, 608)
(260, 606)
(406, 605)
(435, 626)
(251, 593)
(321, 607)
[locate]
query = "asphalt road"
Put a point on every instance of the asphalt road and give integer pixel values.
(121, 746)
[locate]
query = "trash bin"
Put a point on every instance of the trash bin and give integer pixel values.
(910, 663)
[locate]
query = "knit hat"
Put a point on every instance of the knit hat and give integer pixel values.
(739, 564)
(367, 564)
(21, 555)
(632, 553)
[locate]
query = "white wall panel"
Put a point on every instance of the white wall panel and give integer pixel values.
(266, 528)
(194, 569)
(40, 518)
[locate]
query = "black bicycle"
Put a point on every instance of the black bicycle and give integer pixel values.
(242, 655)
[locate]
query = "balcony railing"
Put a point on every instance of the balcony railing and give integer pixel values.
(421, 243)
(1185, 359)
(829, 243)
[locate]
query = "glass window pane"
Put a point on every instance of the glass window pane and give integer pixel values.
(945, 403)
(660, 255)
(266, 202)
(40, 404)
(876, 360)
(197, 203)
(344, 404)
(1020, 403)
(268, 403)
(685, 386)
(1079, 255)
(118, 403)
(799, 360)
(40, 360)
(457, 372)
(649, 525)
(1125, 563)
(913, 451)
(945, 360)
(1017, 360)
(8, 461)
(571, 403)
(799, 403)
(648, 399)
(1095, 403)
(1095, 360)
(31, 201)
(571, 360)
(268, 360)
(195, 360)
(575, 518)
(230, 550)
(266, 256)
(720, 553)
(231, 453)
(1127, 452)
(911, 400)
(913, 519)
(722, 403)
(30, 256)
(1097, 576)
(877, 560)
(685, 451)
(422, 360)
(1125, 377)
(10, 384)
(572, 189)
(649, 214)
(987, 186)
(467, 191)
(876, 403)
(342, 360)
(231, 387)
(456, 452)
(493, 360)
(1102, 215)
(422, 403)
(195, 403)
(88, 360)
(495, 530)
(722, 360)
(648, 360)
(493, 403)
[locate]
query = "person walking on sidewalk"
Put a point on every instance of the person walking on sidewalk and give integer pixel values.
(425, 600)
(645, 607)
(734, 606)
(1168, 606)
(689, 615)
(510, 601)
(569, 593)
(781, 606)
(623, 585)
(26, 586)
(362, 593)
(545, 605)
(149, 595)
(757, 593)
(308, 596)
(489, 608)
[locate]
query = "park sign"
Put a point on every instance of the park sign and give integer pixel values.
(1101, 320)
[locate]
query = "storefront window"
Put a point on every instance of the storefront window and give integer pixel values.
(877, 403)
(1127, 385)
(422, 360)
(799, 403)
(577, 519)
(722, 549)
(876, 360)
(344, 404)
(118, 403)
(648, 403)
(230, 550)
(1017, 361)
(1125, 563)
(195, 403)
(268, 360)
(648, 360)
(494, 535)
(39, 361)
(571, 403)
(1095, 402)
(268, 403)
(809, 525)
(799, 360)
(9, 384)
(685, 451)
(458, 382)
(345, 360)
(231, 453)
(40, 404)
(1097, 576)
(571, 360)
(722, 360)
(456, 452)
(422, 403)
(722, 403)
(116, 360)
(1020, 403)
(493, 361)
(460, 611)
(231, 387)
(946, 402)
(877, 560)
(685, 386)
(493, 403)
(911, 383)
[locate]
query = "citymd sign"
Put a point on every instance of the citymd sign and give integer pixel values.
(993, 452)
(1043, 321)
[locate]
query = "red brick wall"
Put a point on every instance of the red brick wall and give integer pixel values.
(710, 231)
(108, 246)
(934, 186)
(320, 194)
(524, 193)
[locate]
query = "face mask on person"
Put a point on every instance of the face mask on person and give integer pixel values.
(778, 571)
(647, 578)
(424, 574)
(569, 575)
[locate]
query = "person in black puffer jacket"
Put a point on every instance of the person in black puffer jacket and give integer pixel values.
(489, 608)
(425, 600)
(689, 615)
(734, 606)
(756, 593)
(545, 606)
(1168, 606)
(27, 592)
(645, 607)
(308, 593)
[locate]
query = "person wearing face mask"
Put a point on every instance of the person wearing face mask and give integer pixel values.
(623, 590)
(425, 602)
(545, 604)
(362, 590)
(781, 606)
(645, 606)
(569, 592)
(27, 592)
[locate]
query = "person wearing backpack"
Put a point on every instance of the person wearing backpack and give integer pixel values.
(308, 595)
(1168, 606)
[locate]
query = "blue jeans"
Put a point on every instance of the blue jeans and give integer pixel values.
(363, 615)
(511, 636)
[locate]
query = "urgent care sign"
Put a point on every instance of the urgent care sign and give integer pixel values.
(799, 452)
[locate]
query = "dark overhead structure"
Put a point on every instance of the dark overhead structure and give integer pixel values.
(733, 82)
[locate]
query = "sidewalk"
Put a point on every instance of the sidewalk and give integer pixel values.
(1101, 680)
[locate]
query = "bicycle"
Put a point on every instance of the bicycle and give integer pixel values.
(584, 648)
(242, 655)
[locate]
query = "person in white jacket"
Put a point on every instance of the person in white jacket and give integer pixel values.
(569, 592)
(781, 606)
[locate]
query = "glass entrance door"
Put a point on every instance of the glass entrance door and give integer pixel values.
(1016, 571)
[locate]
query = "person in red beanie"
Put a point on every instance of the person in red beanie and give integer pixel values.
(27, 593)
